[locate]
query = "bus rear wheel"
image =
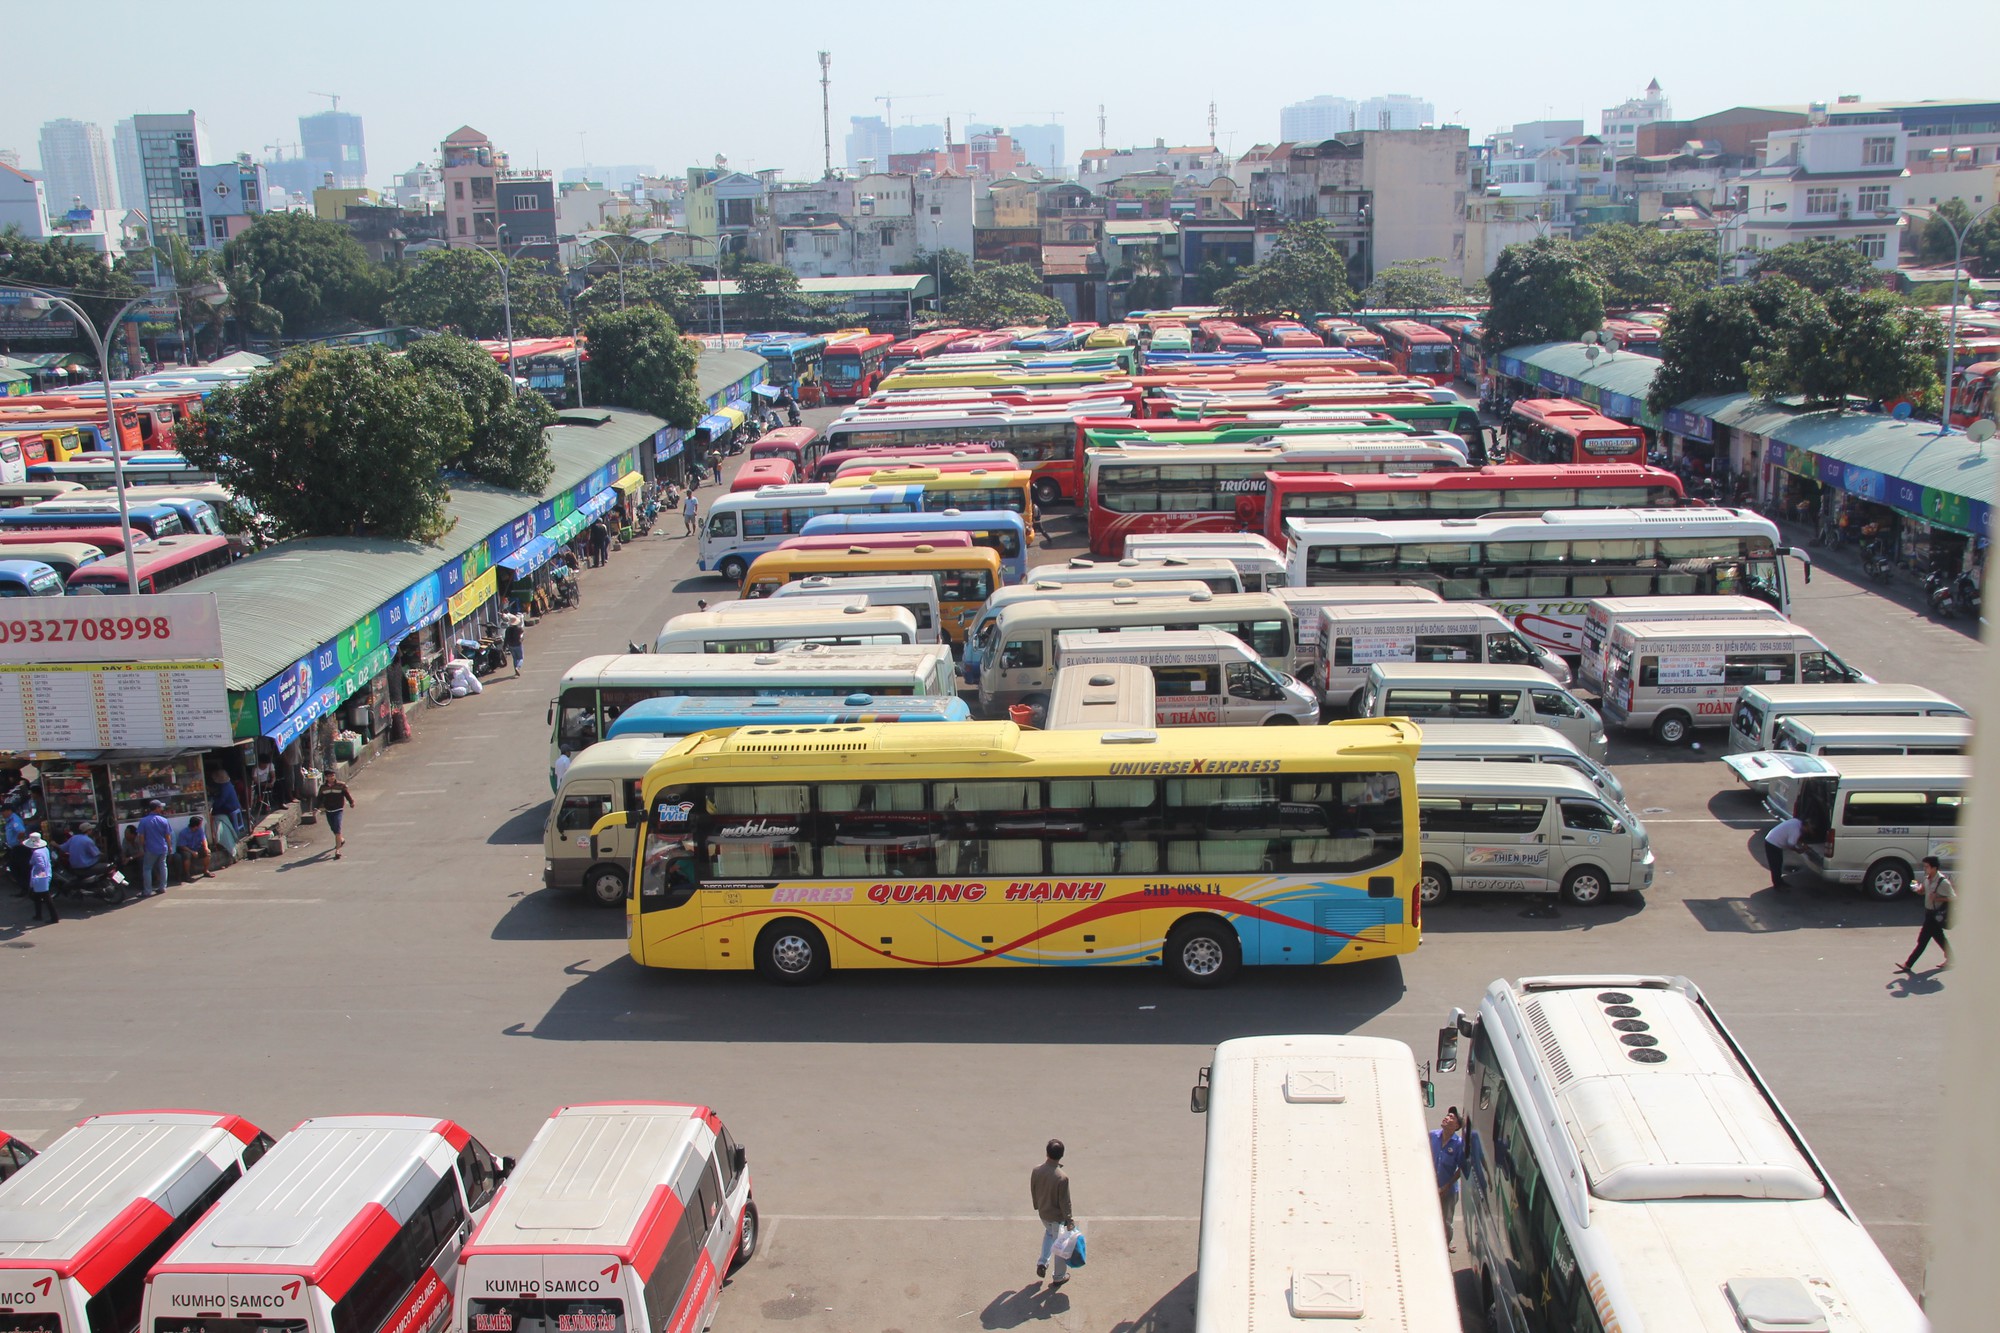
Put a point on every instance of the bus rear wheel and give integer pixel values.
(1672, 728)
(1203, 952)
(1433, 884)
(1046, 492)
(792, 952)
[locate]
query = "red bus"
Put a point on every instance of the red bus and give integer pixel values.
(164, 565)
(102, 1203)
(828, 464)
(918, 346)
(1561, 430)
(787, 442)
(1469, 494)
(14, 1154)
(957, 461)
(986, 341)
(969, 398)
(1635, 336)
(852, 367)
(764, 472)
(111, 540)
(1419, 350)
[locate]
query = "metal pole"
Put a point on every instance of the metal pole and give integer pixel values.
(111, 425)
(1951, 337)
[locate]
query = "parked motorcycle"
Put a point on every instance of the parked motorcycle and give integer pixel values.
(1965, 592)
(1875, 560)
(486, 655)
(103, 881)
(1938, 592)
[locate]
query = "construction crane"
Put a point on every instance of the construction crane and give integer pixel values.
(331, 97)
(888, 101)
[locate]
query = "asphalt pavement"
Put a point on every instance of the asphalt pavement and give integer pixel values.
(892, 1119)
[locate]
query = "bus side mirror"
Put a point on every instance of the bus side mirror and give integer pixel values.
(1447, 1051)
(503, 1166)
(549, 718)
(1198, 1095)
(738, 1159)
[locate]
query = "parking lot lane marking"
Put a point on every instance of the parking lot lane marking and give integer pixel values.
(12, 1104)
(448, 763)
(967, 1217)
(57, 1075)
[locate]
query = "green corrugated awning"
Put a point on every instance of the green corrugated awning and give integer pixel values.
(1616, 383)
(716, 371)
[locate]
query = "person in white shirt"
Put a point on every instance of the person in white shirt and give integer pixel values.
(1938, 894)
(1783, 838)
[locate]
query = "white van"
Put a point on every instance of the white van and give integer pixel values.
(1261, 565)
(1875, 818)
(604, 777)
(1671, 677)
(1352, 638)
(1215, 575)
(1813, 744)
(978, 638)
(1754, 726)
(915, 593)
(1445, 695)
(1306, 602)
(1201, 677)
(779, 625)
(1020, 660)
(1602, 614)
(1112, 696)
(1504, 743)
(1532, 829)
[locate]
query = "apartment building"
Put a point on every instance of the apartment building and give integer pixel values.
(76, 167)
(1823, 182)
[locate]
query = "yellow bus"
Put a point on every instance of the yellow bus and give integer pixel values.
(966, 575)
(977, 488)
(967, 844)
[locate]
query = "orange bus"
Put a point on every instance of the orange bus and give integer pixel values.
(1561, 430)
(853, 366)
(1418, 350)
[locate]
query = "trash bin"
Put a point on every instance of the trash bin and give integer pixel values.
(1023, 715)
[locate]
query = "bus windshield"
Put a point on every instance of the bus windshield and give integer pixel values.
(544, 1316)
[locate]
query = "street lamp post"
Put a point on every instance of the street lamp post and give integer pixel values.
(616, 256)
(506, 298)
(1958, 235)
(937, 255)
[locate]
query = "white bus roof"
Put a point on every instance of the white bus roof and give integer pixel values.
(1111, 587)
(1718, 607)
(597, 1177)
(1784, 698)
(811, 603)
(817, 585)
(1112, 609)
(1468, 775)
(63, 1209)
(1105, 696)
(1552, 525)
(1445, 674)
(1319, 1200)
(855, 612)
(816, 492)
(295, 1210)
(639, 668)
(1779, 634)
(1201, 541)
(619, 756)
(1389, 615)
(1092, 643)
(1877, 726)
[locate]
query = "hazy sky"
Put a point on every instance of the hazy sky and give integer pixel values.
(673, 83)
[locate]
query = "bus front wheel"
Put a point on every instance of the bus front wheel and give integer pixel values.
(746, 1240)
(606, 886)
(792, 952)
(1672, 728)
(1203, 952)
(1433, 884)
(733, 569)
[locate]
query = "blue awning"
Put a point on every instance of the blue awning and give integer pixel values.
(716, 426)
(768, 392)
(530, 557)
(741, 405)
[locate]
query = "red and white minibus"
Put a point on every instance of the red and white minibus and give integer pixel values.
(82, 1223)
(350, 1224)
(623, 1217)
(14, 1154)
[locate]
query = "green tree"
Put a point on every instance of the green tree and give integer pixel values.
(1869, 345)
(68, 269)
(1712, 338)
(311, 271)
(770, 293)
(1206, 283)
(459, 291)
(1542, 291)
(1306, 272)
(1646, 266)
(1001, 294)
(674, 288)
(638, 359)
(335, 441)
(507, 446)
(1150, 285)
(1819, 266)
(1413, 284)
(1935, 242)
(953, 268)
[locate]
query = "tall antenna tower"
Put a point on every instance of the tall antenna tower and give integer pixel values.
(826, 111)
(1211, 122)
(1100, 124)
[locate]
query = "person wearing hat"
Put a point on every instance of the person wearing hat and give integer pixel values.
(156, 843)
(41, 877)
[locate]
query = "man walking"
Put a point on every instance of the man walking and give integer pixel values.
(1448, 1160)
(515, 639)
(690, 511)
(41, 877)
(1938, 894)
(333, 800)
(1783, 837)
(1048, 1187)
(156, 841)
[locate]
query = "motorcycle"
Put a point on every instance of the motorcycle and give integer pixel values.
(486, 655)
(1875, 561)
(1965, 592)
(1938, 592)
(792, 414)
(103, 881)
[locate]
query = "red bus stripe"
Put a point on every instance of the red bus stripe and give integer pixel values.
(452, 1134)
(113, 1249)
(656, 1226)
(352, 1251)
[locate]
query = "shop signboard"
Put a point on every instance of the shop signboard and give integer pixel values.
(1863, 483)
(667, 443)
(1694, 426)
(474, 595)
(116, 673)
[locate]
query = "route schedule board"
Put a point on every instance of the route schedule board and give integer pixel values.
(112, 673)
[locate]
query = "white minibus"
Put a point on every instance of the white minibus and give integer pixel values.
(605, 777)
(978, 637)
(81, 1223)
(785, 626)
(1019, 665)
(1215, 575)
(1754, 725)
(1873, 819)
(738, 528)
(1629, 1168)
(1813, 743)
(1505, 743)
(349, 1224)
(1318, 1197)
(1353, 638)
(1444, 695)
(1602, 614)
(1674, 676)
(915, 593)
(1114, 696)
(1261, 565)
(1201, 677)
(1533, 829)
(622, 1217)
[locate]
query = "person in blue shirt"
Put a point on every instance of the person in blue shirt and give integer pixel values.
(41, 877)
(81, 850)
(1448, 1159)
(17, 851)
(156, 841)
(191, 852)
(223, 800)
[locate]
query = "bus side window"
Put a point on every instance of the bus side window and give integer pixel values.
(1021, 655)
(579, 813)
(672, 1273)
(475, 1167)
(115, 1308)
(722, 525)
(725, 1155)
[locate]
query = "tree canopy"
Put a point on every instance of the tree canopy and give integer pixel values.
(506, 446)
(458, 291)
(335, 441)
(1937, 245)
(1543, 290)
(1001, 294)
(1819, 266)
(1647, 266)
(638, 359)
(312, 272)
(1413, 284)
(1305, 273)
(674, 288)
(1870, 345)
(952, 268)
(62, 266)
(1711, 338)
(769, 293)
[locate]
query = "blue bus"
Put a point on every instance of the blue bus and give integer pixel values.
(1048, 340)
(100, 509)
(792, 362)
(28, 578)
(1002, 530)
(687, 714)
(155, 520)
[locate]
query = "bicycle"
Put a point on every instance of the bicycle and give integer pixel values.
(437, 688)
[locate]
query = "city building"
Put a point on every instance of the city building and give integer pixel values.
(23, 203)
(108, 232)
(867, 143)
(1042, 146)
(988, 153)
(131, 179)
(585, 206)
(76, 166)
(1619, 125)
(468, 171)
(333, 139)
(1953, 146)
(331, 202)
(1193, 165)
(1823, 182)
(419, 187)
(170, 152)
(526, 215)
(1320, 118)
(724, 207)
(388, 232)
(232, 196)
